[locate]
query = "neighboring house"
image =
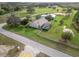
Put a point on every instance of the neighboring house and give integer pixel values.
(40, 24)
(44, 15)
(52, 5)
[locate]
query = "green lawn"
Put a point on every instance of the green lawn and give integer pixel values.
(38, 11)
(55, 32)
(23, 13)
(8, 41)
(31, 33)
(51, 37)
(4, 17)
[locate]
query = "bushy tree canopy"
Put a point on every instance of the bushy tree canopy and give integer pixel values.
(2, 11)
(9, 7)
(69, 10)
(61, 22)
(24, 21)
(17, 8)
(67, 36)
(76, 21)
(38, 16)
(49, 17)
(77, 18)
(13, 20)
(30, 9)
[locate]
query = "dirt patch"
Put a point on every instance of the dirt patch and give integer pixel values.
(4, 50)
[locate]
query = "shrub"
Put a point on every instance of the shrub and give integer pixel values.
(69, 10)
(30, 9)
(38, 16)
(66, 36)
(17, 8)
(57, 10)
(28, 17)
(54, 7)
(24, 22)
(76, 21)
(2, 12)
(61, 22)
(6, 8)
(49, 17)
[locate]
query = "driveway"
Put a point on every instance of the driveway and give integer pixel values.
(44, 49)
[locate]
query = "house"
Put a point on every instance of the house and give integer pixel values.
(44, 15)
(46, 26)
(40, 24)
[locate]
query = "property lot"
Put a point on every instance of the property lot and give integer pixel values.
(51, 37)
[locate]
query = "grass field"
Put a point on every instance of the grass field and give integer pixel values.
(8, 41)
(31, 33)
(51, 37)
(55, 32)
(23, 13)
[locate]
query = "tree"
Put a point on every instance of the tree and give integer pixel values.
(49, 17)
(64, 10)
(30, 9)
(2, 12)
(10, 7)
(13, 21)
(28, 17)
(6, 7)
(54, 7)
(24, 21)
(76, 18)
(66, 36)
(57, 10)
(61, 22)
(76, 21)
(42, 5)
(69, 10)
(17, 8)
(38, 16)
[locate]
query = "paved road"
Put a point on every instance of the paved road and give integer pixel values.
(44, 49)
